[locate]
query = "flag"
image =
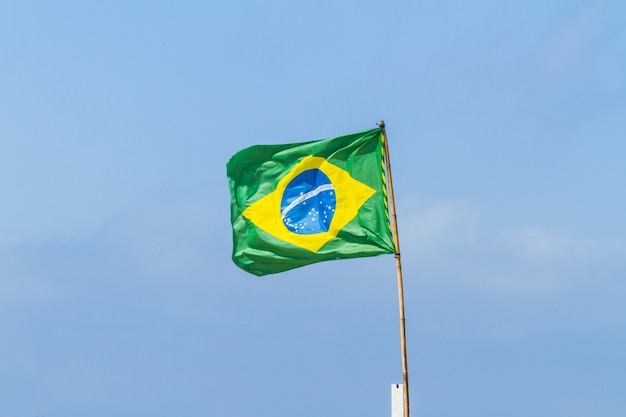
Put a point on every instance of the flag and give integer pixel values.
(297, 204)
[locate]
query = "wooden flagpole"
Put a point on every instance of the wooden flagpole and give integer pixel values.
(396, 241)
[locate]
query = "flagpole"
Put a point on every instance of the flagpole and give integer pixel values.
(396, 241)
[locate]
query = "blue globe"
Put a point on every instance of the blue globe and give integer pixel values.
(308, 203)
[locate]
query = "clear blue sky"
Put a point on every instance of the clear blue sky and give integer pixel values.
(507, 126)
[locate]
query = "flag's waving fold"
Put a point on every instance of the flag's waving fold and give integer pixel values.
(293, 205)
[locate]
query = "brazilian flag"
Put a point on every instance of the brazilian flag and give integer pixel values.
(297, 204)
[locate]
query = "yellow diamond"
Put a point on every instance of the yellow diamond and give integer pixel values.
(350, 196)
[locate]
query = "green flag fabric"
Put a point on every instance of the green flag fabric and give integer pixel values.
(297, 204)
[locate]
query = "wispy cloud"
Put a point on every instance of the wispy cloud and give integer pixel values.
(430, 228)
(157, 247)
(536, 244)
(453, 241)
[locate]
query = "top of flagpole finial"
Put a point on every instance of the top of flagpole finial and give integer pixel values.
(381, 124)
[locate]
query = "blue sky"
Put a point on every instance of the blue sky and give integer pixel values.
(507, 127)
